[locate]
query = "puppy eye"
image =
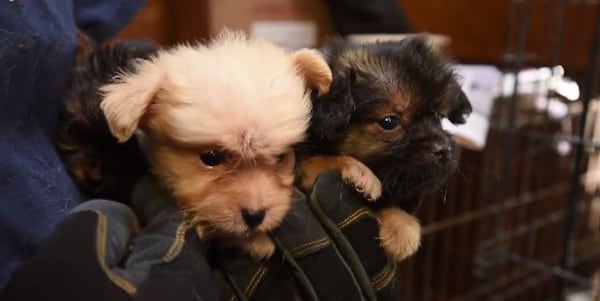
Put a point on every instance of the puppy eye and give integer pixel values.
(281, 158)
(389, 123)
(212, 158)
(285, 159)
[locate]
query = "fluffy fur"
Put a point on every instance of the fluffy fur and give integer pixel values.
(101, 167)
(383, 114)
(217, 123)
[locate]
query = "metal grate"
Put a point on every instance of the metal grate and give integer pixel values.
(521, 219)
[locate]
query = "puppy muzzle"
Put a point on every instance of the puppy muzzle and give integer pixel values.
(253, 218)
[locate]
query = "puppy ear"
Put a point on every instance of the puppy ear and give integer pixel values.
(356, 76)
(126, 101)
(313, 67)
(332, 112)
(459, 107)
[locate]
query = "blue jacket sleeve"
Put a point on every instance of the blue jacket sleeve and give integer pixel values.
(37, 45)
(103, 19)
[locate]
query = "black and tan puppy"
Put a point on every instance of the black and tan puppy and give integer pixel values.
(100, 167)
(385, 109)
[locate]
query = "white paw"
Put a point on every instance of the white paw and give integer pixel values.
(359, 175)
(399, 232)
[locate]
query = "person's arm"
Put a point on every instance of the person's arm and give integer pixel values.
(327, 250)
(103, 19)
(37, 51)
(97, 253)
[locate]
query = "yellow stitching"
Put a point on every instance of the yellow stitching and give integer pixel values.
(381, 275)
(305, 250)
(253, 279)
(101, 251)
(253, 282)
(354, 216)
(383, 279)
(385, 282)
(389, 267)
(377, 284)
(178, 243)
(308, 245)
(256, 280)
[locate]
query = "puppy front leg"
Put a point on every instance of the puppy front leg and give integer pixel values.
(200, 231)
(351, 170)
(259, 246)
(399, 232)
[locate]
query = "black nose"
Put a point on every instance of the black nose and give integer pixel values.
(441, 151)
(253, 218)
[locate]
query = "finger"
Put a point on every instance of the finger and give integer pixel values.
(76, 261)
(187, 276)
(164, 235)
(355, 230)
(116, 223)
(161, 242)
(313, 258)
(245, 278)
(168, 260)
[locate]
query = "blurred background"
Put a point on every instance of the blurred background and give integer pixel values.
(521, 218)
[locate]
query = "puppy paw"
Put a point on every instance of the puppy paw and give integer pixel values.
(399, 232)
(364, 180)
(200, 231)
(260, 247)
(351, 170)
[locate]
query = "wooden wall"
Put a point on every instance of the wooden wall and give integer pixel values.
(479, 29)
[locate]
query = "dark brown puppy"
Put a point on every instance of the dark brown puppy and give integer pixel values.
(385, 109)
(101, 167)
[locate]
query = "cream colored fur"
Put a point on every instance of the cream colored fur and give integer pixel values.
(399, 232)
(245, 97)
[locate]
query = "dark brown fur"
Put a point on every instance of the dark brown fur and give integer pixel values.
(100, 166)
(406, 79)
(385, 109)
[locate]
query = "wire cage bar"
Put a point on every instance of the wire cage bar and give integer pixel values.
(521, 219)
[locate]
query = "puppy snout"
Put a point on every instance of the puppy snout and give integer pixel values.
(253, 218)
(441, 151)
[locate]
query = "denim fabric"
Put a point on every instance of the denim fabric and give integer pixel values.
(37, 44)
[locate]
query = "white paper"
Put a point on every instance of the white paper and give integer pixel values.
(291, 35)
(482, 84)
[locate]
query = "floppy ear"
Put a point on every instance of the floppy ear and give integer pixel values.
(459, 107)
(332, 112)
(313, 67)
(126, 101)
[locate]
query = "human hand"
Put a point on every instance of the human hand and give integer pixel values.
(328, 249)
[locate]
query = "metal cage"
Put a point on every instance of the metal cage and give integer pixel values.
(521, 218)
